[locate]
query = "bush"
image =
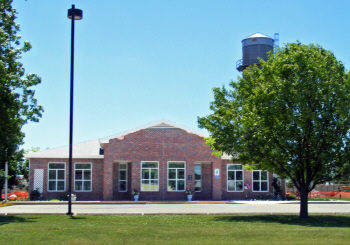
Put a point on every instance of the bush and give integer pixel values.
(291, 197)
(35, 195)
(64, 196)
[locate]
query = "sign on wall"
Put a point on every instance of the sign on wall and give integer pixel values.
(216, 173)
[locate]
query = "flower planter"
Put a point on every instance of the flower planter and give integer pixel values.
(136, 198)
(73, 199)
(189, 198)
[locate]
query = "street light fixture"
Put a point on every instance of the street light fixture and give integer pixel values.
(73, 14)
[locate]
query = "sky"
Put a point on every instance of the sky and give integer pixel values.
(138, 62)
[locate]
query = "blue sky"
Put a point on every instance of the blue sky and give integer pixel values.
(137, 62)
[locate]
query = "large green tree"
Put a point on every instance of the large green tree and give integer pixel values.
(17, 102)
(290, 115)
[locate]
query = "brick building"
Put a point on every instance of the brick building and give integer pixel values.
(160, 159)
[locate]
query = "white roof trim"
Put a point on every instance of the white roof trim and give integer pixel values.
(256, 35)
(158, 124)
(88, 149)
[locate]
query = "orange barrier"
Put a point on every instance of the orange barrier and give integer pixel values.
(343, 194)
(16, 195)
(315, 194)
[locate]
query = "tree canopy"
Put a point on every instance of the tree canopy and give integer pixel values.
(17, 102)
(290, 115)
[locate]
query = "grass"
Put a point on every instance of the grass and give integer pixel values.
(175, 229)
(324, 199)
(328, 199)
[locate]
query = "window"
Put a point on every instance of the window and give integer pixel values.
(149, 176)
(198, 177)
(176, 176)
(57, 176)
(123, 179)
(234, 177)
(82, 176)
(260, 180)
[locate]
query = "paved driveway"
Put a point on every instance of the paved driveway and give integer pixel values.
(183, 208)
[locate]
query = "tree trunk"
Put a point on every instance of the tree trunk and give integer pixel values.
(304, 213)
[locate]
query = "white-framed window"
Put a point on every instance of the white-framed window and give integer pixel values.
(149, 176)
(260, 180)
(82, 176)
(198, 177)
(176, 176)
(56, 176)
(234, 177)
(123, 177)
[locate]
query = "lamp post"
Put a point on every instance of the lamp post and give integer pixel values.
(73, 14)
(6, 180)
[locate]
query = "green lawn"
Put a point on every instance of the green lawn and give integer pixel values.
(174, 229)
(328, 199)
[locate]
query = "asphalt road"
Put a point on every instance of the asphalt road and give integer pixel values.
(179, 208)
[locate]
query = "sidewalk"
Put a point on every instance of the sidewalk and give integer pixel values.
(156, 208)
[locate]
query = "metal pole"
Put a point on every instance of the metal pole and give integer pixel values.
(71, 115)
(6, 180)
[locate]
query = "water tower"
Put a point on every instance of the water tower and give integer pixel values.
(254, 46)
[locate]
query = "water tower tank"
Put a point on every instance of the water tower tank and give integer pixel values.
(254, 46)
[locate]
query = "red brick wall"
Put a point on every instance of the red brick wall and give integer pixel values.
(117, 195)
(247, 194)
(97, 170)
(206, 193)
(162, 146)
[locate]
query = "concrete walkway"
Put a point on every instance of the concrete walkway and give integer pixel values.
(153, 208)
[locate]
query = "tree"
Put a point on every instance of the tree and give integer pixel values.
(23, 164)
(291, 116)
(17, 102)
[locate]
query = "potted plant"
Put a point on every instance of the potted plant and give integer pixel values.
(136, 195)
(189, 194)
(73, 197)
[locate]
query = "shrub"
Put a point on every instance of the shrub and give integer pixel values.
(291, 197)
(35, 195)
(64, 196)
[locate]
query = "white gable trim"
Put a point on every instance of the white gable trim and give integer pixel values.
(158, 124)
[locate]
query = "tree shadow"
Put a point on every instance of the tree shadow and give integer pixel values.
(7, 219)
(314, 220)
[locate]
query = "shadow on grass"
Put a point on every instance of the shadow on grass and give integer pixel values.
(6, 219)
(312, 221)
(76, 218)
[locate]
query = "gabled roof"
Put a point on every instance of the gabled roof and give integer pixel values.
(88, 149)
(91, 149)
(158, 124)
